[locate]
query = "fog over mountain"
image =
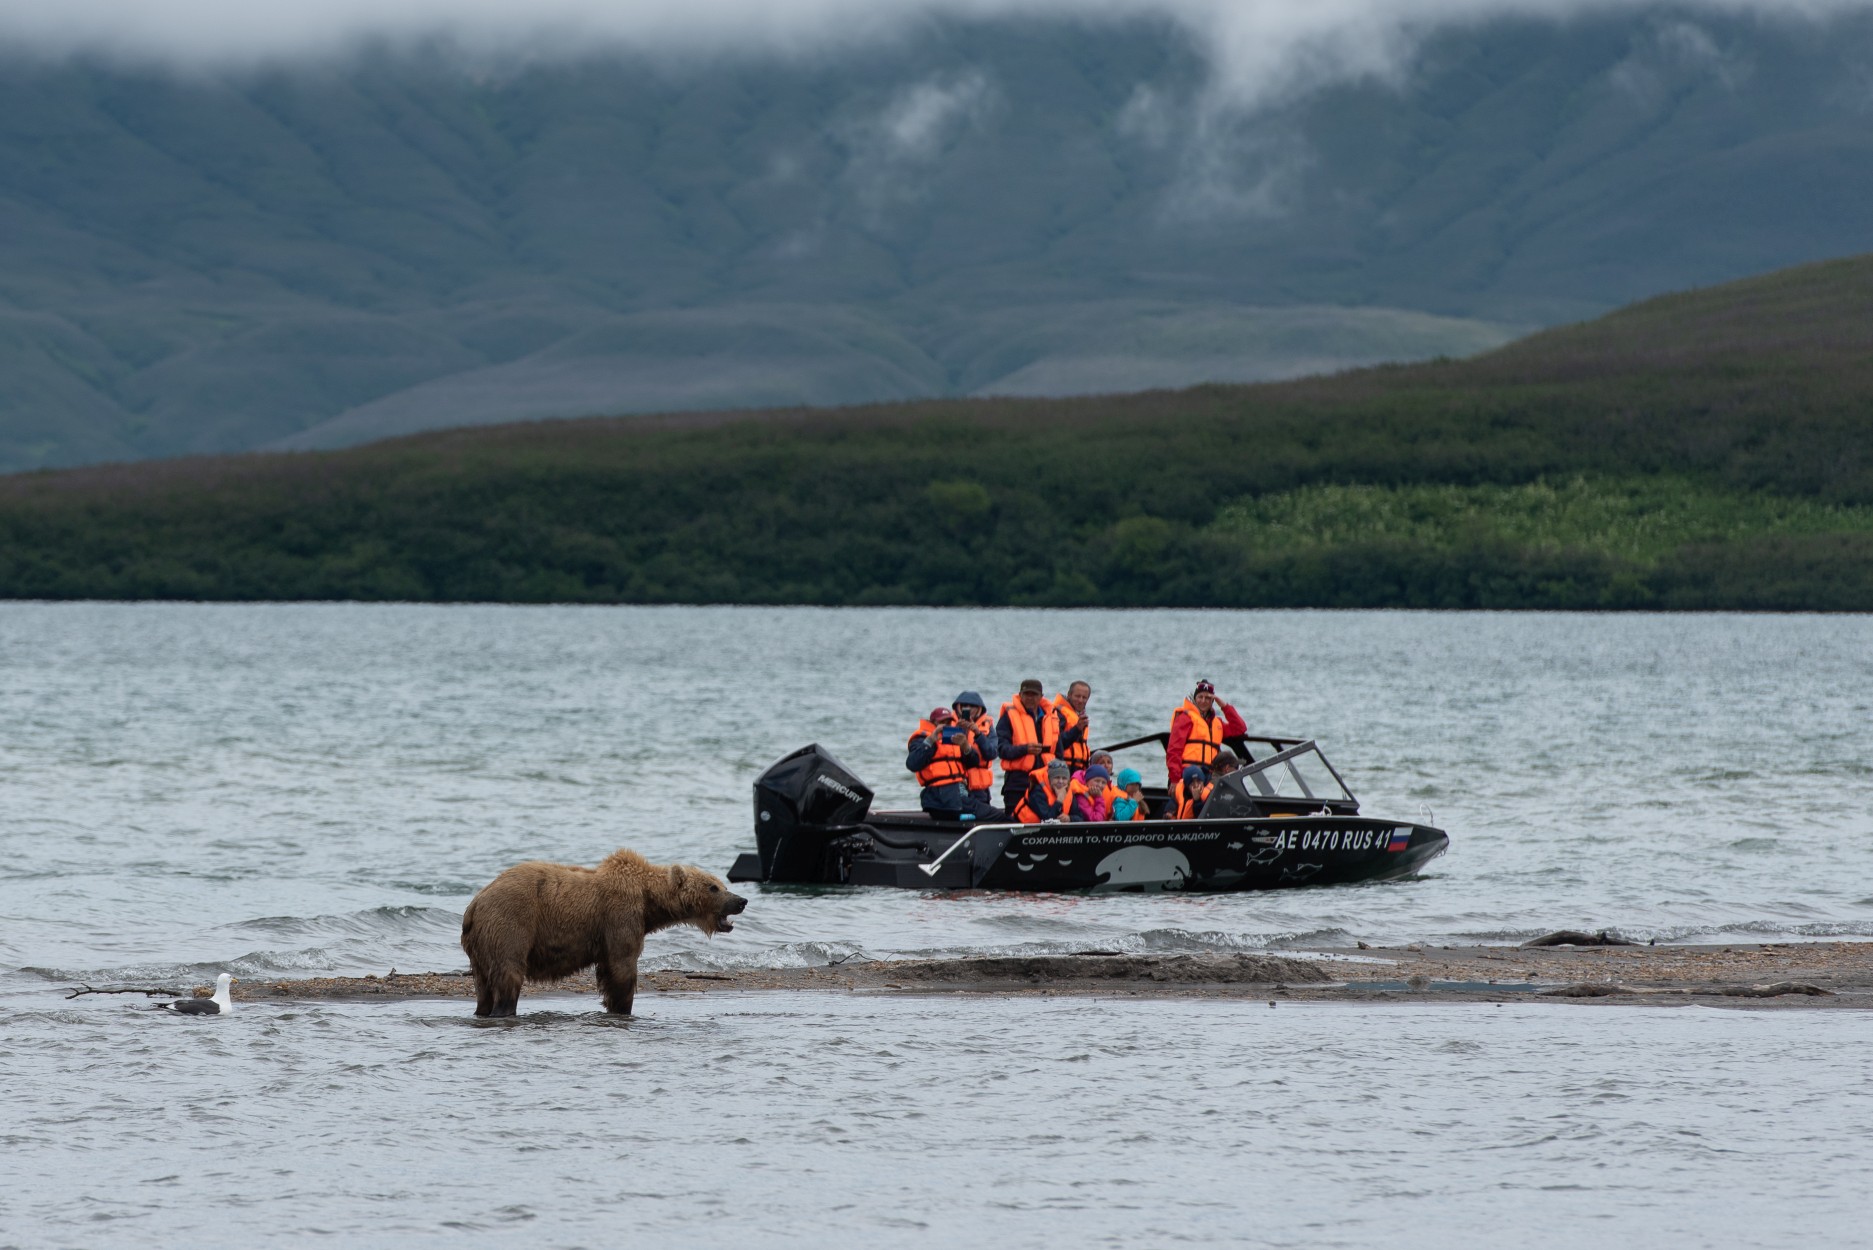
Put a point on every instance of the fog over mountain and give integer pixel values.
(225, 226)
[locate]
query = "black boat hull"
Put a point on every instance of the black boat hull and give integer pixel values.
(1206, 856)
(814, 827)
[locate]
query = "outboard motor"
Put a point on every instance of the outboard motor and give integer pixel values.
(802, 804)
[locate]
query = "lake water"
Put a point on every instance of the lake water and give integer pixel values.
(287, 790)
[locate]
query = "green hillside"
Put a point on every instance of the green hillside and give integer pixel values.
(1706, 450)
(329, 254)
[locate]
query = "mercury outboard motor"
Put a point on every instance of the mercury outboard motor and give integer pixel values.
(801, 805)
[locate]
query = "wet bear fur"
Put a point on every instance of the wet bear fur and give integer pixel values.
(542, 922)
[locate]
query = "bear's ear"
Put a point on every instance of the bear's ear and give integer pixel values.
(676, 878)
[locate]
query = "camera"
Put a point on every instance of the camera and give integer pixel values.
(953, 733)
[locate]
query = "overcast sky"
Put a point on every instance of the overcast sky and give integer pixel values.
(1257, 48)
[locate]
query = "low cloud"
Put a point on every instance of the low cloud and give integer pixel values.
(1259, 50)
(922, 119)
(1672, 53)
(1262, 56)
(892, 150)
(1226, 165)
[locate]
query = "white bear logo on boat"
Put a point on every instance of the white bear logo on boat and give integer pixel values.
(1143, 867)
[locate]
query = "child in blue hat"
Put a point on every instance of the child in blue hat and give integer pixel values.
(1129, 803)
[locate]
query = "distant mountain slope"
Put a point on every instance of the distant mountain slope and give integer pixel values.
(1707, 450)
(319, 257)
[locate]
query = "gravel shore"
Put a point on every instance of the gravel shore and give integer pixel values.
(1792, 975)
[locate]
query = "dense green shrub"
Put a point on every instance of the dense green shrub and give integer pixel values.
(1707, 451)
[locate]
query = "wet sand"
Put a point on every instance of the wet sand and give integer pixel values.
(1794, 975)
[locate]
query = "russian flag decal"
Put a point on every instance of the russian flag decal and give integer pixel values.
(1401, 838)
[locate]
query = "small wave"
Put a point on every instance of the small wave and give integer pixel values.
(1190, 942)
(1745, 931)
(372, 922)
(1756, 930)
(342, 958)
(252, 964)
(786, 955)
(445, 889)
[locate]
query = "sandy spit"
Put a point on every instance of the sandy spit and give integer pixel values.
(1794, 975)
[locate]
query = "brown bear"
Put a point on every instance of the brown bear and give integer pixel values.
(541, 922)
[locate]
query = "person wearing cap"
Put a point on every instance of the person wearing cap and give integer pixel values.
(980, 778)
(1071, 725)
(1023, 740)
(1049, 792)
(1198, 731)
(941, 753)
(1129, 802)
(1092, 794)
(1190, 793)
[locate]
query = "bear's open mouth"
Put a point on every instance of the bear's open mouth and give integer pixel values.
(724, 925)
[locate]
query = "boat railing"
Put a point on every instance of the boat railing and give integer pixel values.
(1239, 743)
(930, 869)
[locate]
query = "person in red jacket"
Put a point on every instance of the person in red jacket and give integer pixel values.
(1198, 730)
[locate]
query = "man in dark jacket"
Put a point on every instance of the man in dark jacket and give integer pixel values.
(972, 713)
(1023, 740)
(942, 753)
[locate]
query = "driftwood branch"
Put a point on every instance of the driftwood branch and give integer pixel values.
(1574, 937)
(156, 991)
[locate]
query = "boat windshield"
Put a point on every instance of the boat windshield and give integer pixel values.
(1259, 749)
(1300, 772)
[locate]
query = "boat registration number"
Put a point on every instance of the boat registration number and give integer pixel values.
(1331, 839)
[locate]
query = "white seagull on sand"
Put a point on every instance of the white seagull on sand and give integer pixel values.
(220, 1005)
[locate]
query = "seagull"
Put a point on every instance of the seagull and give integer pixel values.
(220, 1005)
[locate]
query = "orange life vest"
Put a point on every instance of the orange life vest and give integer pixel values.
(982, 776)
(1079, 753)
(1102, 806)
(1021, 725)
(1028, 816)
(1183, 808)
(1206, 736)
(1139, 812)
(948, 764)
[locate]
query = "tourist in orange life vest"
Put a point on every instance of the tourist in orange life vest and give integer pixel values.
(1023, 740)
(1129, 802)
(973, 713)
(1071, 725)
(941, 753)
(1049, 792)
(1092, 794)
(1190, 793)
(1198, 730)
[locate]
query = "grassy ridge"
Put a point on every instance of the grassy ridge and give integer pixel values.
(1708, 450)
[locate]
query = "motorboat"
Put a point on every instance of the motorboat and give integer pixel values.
(1284, 819)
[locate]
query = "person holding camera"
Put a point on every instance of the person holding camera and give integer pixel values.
(1024, 739)
(973, 713)
(1071, 725)
(942, 753)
